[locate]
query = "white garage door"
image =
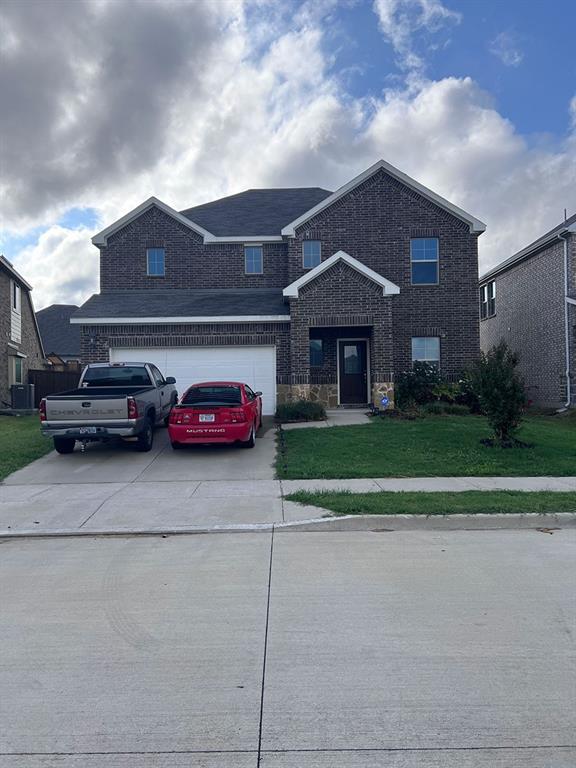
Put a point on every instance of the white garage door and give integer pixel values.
(255, 366)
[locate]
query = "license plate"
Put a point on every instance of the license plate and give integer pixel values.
(87, 430)
(207, 417)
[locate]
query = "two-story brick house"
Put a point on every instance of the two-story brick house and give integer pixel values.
(299, 292)
(20, 342)
(529, 301)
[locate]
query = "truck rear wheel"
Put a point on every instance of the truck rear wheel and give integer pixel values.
(64, 444)
(145, 438)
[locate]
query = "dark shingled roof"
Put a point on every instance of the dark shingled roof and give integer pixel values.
(185, 303)
(256, 211)
(58, 336)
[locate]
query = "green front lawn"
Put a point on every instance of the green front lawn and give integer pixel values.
(441, 446)
(20, 443)
(415, 503)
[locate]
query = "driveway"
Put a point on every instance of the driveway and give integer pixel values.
(289, 650)
(115, 486)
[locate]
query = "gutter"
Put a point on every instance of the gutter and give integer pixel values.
(564, 236)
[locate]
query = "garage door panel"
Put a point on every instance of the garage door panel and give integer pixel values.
(255, 366)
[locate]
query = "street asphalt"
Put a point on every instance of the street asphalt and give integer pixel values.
(405, 649)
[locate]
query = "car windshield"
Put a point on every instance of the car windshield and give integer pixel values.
(116, 376)
(213, 395)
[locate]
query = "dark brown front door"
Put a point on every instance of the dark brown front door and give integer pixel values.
(353, 371)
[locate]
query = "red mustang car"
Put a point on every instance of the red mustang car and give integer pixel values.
(216, 412)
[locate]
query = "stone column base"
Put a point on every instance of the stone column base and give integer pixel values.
(326, 394)
(382, 389)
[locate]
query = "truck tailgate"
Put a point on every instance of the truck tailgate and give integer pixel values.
(86, 410)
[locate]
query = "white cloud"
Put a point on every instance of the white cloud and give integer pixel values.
(62, 267)
(505, 47)
(403, 21)
(278, 117)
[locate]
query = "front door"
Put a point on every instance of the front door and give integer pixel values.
(353, 369)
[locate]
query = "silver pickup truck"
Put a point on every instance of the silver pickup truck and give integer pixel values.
(113, 400)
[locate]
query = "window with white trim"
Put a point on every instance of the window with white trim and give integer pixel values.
(311, 253)
(488, 300)
(253, 260)
(426, 349)
(16, 297)
(155, 262)
(424, 260)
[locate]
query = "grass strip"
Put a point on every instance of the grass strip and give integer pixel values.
(438, 503)
(20, 443)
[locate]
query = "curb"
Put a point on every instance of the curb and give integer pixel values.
(348, 523)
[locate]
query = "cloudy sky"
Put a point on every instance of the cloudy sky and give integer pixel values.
(106, 102)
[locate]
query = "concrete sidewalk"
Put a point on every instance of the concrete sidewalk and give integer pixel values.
(144, 504)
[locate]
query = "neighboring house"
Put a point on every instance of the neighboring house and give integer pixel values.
(529, 300)
(20, 342)
(299, 292)
(61, 339)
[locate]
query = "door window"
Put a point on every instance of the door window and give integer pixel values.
(351, 359)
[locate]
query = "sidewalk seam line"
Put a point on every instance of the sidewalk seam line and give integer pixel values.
(261, 720)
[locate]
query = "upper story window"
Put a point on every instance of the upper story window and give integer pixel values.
(253, 260)
(155, 258)
(316, 353)
(16, 297)
(488, 300)
(426, 349)
(424, 260)
(311, 253)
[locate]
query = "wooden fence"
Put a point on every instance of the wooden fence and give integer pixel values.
(48, 382)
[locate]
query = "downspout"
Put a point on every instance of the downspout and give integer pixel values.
(568, 403)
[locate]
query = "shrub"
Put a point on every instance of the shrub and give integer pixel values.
(300, 410)
(467, 394)
(440, 408)
(446, 391)
(500, 390)
(417, 386)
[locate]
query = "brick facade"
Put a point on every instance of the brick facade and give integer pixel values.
(189, 263)
(30, 344)
(374, 223)
(530, 308)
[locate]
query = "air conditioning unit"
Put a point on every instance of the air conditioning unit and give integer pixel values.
(22, 396)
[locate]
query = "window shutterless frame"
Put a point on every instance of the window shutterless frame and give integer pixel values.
(311, 253)
(426, 349)
(488, 300)
(155, 262)
(253, 260)
(424, 261)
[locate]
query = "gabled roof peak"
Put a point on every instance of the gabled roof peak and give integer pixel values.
(475, 224)
(388, 288)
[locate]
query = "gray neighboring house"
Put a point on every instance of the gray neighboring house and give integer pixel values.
(298, 292)
(529, 300)
(61, 339)
(20, 341)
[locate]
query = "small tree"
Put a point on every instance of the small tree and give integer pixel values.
(500, 390)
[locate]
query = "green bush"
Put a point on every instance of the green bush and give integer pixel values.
(440, 408)
(416, 386)
(500, 390)
(300, 410)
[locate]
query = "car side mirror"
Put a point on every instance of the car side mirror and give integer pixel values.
(170, 380)
(258, 394)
